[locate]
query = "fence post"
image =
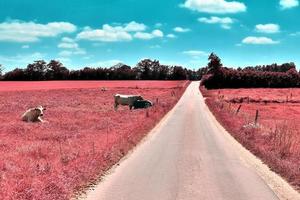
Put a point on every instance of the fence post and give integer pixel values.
(93, 148)
(107, 129)
(238, 110)
(256, 118)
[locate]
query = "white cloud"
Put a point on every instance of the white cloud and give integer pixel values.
(67, 53)
(21, 60)
(106, 34)
(157, 33)
(171, 35)
(259, 40)
(134, 26)
(181, 30)
(110, 33)
(155, 46)
(67, 39)
(106, 63)
(158, 25)
(147, 36)
(18, 31)
(295, 34)
(66, 45)
(25, 47)
(195, 53)
(215, 6)
(286, 4)
(267, 28)
(70, 48)
(225, 22)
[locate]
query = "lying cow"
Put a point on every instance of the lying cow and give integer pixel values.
(126, 100)
(34, 114)
(142, 104)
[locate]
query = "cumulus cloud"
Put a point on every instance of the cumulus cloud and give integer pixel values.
(286, 4)
(134, 26)
(67, 45)
(119, 33)
(21, 60)
(147, 36)
(267, 28)
(19, 31)
(171, 35)
(106, 34)
(105, 63)
(181, 30)
(67, 53)
(259, 40)
(195, 53)
(25, 46)
(158, 25)
(70, 47)
(215, 6)
(225, 22)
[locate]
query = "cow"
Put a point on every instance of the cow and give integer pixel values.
(126, 100)
(142, 104)
(34, 114)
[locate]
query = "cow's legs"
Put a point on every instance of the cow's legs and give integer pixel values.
(130, 107)
(116, 105)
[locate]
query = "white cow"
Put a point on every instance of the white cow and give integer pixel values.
(34, 114)
(126, 100)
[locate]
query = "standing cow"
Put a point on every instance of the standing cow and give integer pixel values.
(126, 100)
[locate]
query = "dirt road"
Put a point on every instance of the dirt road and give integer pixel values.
(187, 157)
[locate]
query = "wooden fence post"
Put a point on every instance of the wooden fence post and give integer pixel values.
(93, 148)
(256, 117)
(238, 110)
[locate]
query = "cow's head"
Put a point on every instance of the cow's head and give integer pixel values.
(40, 110)
(149, 103)
(139, 97)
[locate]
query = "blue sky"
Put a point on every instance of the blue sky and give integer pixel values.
(104, 32)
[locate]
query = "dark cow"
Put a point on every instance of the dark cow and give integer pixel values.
(140, 104)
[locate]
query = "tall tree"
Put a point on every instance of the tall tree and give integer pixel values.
(56, 71)
(214, 64)
(37, 70)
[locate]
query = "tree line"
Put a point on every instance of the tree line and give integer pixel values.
(145, 70)
(266, 76)
(214, 75)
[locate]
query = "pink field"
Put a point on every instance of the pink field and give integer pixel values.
(83, 138)
(276, 137)
(49, 85)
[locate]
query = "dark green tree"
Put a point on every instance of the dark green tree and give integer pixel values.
(56, 71)
(214, 64)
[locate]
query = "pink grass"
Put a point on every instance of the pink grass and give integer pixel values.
(83, 138)
(276, 139)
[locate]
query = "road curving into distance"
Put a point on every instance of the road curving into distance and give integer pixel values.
(188, 156)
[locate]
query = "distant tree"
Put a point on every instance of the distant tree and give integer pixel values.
(178, 73)
(143, 69)
(214, 64)
(1, 70)
(163, 72)
(37, 70)
(56, 71)
(121, 72)
(15, 75)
